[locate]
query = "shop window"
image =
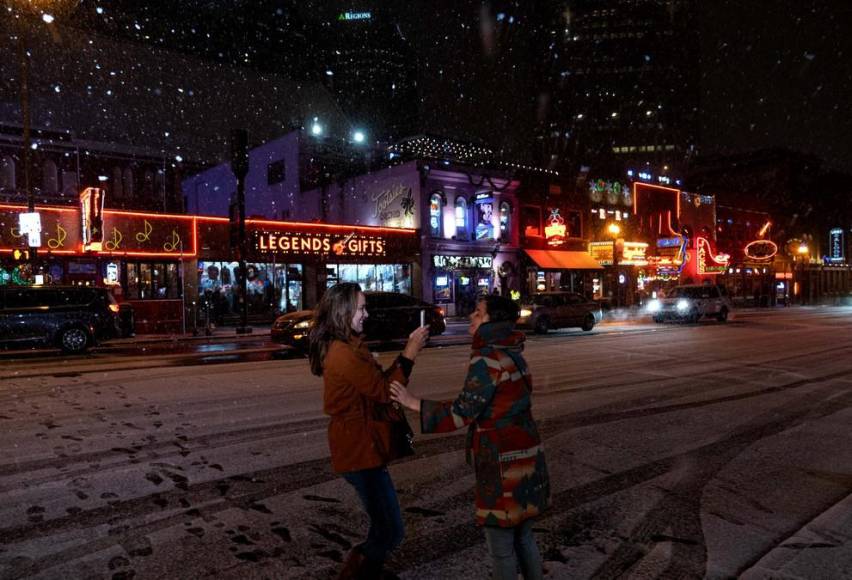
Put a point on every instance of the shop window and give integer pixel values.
(531, 220)
(51, 177)
(153, 281)
(117, 187)
(436, 219)
(276, 172)
(7, 173)
(148, 185)
(127, 182)
(505, 221)
(70, 185)
(372, 277)
(575, 224)
(288, 287)
(484, 226)
(160, 183)
(461, 218)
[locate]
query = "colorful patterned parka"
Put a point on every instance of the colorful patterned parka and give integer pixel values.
(512, 484)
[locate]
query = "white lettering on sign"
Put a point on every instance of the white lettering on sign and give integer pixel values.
(458, 262)
(318, 244)
(384, 199)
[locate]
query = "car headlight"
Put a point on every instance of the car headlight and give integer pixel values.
(526, 312)
(683, 304)
(654, 306)
(303, 324)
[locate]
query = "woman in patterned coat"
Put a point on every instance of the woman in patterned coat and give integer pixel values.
(512, 485)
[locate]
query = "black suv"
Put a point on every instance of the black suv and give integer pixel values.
(69, 317)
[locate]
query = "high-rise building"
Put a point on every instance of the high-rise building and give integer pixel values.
(363, 57)
(624, 87)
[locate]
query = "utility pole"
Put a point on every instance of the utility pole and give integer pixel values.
(24, 62)
(239, 165)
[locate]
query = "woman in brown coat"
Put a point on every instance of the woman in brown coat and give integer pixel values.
(354, 385)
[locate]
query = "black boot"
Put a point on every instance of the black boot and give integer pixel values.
(372, 570)
(353, 567)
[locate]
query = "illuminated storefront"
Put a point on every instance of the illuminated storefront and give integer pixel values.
(171, 267)
(460, 279)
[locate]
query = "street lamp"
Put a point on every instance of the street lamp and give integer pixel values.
(802, 251)
(614, 230)
(358, 136)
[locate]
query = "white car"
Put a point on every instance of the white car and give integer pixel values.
(691, 303)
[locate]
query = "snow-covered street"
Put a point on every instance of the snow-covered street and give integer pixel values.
(677, 451)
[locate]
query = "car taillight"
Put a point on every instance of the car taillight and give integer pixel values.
(114, 308)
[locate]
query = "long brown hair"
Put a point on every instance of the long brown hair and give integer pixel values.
(332, 321)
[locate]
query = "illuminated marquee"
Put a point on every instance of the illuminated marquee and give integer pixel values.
(320, 244)
(760, 250)
(130, 233)
(60, 229)
(462, 262)
(601, 252)
(633, 254)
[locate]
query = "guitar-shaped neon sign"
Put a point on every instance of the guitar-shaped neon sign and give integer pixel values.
(340, 246)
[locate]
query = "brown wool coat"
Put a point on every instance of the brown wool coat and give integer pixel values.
(354, 382)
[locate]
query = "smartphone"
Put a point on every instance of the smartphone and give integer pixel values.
(422, 318)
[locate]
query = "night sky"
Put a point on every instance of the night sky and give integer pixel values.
(778, 74)
(773, 74)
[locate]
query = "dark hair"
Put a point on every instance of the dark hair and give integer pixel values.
(332, 321)
(500, 308)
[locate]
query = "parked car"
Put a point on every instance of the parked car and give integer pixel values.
(391, 316)
(72, 318)
(550, 310)
(691, 303)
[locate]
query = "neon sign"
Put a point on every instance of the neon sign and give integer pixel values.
(555, 231)
(760, 250)
(836, 246)
(633, 254)
(354, 16)
(708, 263)
(602, 252)
(309, 243)
(92, 219)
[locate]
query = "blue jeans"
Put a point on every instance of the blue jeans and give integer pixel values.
(510, 547)
(378, 495)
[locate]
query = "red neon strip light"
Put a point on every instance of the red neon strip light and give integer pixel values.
(339, 227)
(334, 227)
(636, 185)
(161, 216)
(149, 254)
(40, 250)
(39, 208)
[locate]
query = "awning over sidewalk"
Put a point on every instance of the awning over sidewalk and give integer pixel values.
(563, 260)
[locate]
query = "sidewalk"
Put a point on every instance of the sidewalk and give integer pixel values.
(219, 333)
